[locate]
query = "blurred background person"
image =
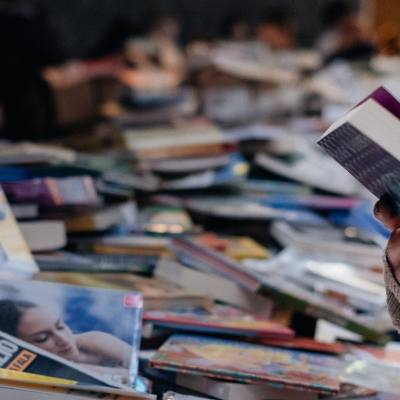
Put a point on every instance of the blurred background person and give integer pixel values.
(277, 29)
(237, 27)
(347, 35)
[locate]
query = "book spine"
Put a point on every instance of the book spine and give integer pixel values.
(188, 150)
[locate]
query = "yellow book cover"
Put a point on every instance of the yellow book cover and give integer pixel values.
(16, 259)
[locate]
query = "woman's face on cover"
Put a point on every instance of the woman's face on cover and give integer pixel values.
(43, 329)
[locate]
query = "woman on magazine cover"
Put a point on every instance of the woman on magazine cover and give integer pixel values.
(384, 211)
(98, 351)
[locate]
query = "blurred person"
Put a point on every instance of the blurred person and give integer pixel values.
(347, 37)
(238, 28)
(328, 40)
(277, 29)
(28, 42)
(385, 212)
(157, 51)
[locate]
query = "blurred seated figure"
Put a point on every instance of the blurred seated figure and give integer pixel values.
(27, 44)
(277, 29)
(347, 35)
(158, 50)
(237, 28)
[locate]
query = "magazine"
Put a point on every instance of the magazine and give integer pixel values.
(97, 330)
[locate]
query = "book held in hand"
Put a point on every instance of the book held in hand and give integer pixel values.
(366, 142)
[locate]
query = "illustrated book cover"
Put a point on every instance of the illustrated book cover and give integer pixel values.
(237, 361)
(221, 319)
(70, 323)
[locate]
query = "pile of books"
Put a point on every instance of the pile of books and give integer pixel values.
(189, 259)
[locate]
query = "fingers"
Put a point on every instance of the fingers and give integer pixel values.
(384, 212)
(393, 253)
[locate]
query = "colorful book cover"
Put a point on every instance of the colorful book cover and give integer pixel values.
(248, 363)
(94, 329)
(221, 320)
(16, 259)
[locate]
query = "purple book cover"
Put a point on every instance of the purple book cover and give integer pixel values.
(52, 191)
(385, 99)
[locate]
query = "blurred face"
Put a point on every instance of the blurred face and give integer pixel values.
(43, 329)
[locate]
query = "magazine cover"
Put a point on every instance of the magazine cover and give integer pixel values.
(95, 329)
(40, 383)
(220, 320)
(16, 259)
(226, 359)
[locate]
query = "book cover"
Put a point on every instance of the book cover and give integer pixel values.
(385, 99)
(250, 363)
(64, 261)
(220, 320)
(365, 142)
(16, 259)
(70, 323)
(35, 383)
(51, 191)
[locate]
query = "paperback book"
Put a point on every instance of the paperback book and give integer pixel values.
(365, 142)
(237, 361)
(221, 319)
(69, 323)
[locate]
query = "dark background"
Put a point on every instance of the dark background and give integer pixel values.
(88, 27)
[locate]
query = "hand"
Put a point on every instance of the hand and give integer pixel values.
(384, 212)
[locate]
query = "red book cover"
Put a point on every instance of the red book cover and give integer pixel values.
(303, 343)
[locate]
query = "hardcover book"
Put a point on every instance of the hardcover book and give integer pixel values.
(249, 363)
(366, 142)
(70, 323)
(220, 320)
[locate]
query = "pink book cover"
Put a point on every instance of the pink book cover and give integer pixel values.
(221, 320)
(248, 363)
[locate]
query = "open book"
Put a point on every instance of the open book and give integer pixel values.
(366, 142)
